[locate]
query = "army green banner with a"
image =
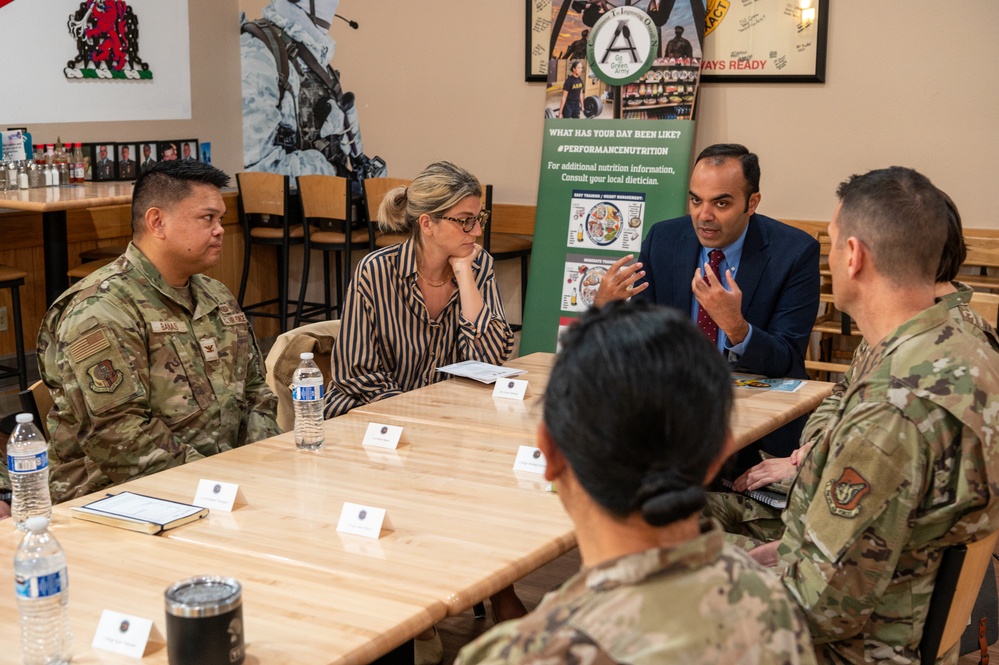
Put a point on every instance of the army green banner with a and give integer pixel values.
(618, 138)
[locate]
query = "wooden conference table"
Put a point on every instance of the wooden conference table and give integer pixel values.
(468, 404)
(463, 525)
(53, 202)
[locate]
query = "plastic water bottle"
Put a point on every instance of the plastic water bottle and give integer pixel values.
(28, 468)
(42, 587)
(307, 391)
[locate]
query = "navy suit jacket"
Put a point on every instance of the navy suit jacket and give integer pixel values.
(778, 275)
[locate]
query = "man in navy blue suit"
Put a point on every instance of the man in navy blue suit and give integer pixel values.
(765, 297)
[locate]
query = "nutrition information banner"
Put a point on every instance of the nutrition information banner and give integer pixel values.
(624, 164)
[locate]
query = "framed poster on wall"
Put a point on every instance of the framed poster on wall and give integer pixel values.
(539, 21)
(765, 41)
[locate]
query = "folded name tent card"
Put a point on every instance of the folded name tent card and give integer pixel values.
(138, 512)
(122, 634)
(510, 389)
(361, 520)
(481, 372)
(218, 495)
(530, 460)
(382, 436)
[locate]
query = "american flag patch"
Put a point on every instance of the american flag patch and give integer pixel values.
(88, 345)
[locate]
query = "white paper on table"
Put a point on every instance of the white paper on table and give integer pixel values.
(479, 371)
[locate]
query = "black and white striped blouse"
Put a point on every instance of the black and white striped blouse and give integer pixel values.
(389, 345)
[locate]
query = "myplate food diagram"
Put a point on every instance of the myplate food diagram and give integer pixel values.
(610, 173)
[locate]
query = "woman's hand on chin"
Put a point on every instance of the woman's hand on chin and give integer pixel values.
(458, 263)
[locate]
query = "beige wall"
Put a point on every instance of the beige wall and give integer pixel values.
(907, 83)
(215, 94)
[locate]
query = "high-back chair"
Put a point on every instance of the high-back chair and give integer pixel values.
(13, 279)
(37, 400)
(375, 190)
(284, 357)
(264, 213)
(958, 582)
(329, 227)
(510, 235)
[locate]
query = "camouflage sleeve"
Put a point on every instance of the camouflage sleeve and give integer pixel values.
(98, 369)
(507, 644)
(817, 422)
(841, 545)
(261, 402)
(262, 118)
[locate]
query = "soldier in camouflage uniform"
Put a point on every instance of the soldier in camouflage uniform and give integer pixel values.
(296, 118)
(901, 469)
(752, 520)
(659, 585)
(150, 364)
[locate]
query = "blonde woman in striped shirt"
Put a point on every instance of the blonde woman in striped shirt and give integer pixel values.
(422, 304)
(413, 307)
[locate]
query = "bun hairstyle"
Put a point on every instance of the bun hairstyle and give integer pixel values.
(438, 188)
(638, 402)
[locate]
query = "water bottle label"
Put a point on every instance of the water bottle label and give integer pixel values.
(308, 393)
(42, 586)
(27, 464)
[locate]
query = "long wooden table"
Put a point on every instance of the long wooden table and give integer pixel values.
(53, 202)
(468, 404)
(463, 525)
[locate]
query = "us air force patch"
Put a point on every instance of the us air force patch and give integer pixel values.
(844, 494)
(104, 378)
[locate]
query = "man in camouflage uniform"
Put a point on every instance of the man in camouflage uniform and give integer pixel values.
(151, 364)
(901, 469)
(659, 584)
(296, 118)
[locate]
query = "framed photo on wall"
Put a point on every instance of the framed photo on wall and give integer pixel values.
(105, 162)
(538, 39)
(169, 150)
(765, 41)
(148, 156)
(128, 167)
(189, 149)
(89, 150)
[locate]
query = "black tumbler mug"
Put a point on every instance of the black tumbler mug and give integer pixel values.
(204, 622)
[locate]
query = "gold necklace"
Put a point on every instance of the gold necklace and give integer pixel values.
(429, 283)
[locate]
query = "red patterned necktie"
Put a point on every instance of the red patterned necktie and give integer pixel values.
(704, 320)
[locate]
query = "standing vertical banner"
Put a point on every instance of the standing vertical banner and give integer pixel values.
(608, 173)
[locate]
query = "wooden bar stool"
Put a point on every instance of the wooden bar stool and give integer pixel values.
(329, 227)
(13, 279)
(85, 269)
(375, 190)
(264, 213)
(508, 237)
(101, 253)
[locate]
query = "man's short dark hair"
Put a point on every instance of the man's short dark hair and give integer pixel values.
(720, 152)
(900, 217)
(638, 403)
(166, 183)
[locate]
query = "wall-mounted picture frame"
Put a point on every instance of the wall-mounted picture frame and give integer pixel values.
(149, 154)
(128, 167)
(89, 150)
(766, 41)
(537, 41)
(104, 166)
(169, 150)
(189, 150)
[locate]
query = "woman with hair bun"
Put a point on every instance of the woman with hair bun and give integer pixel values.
(635, 425)
(428, 302)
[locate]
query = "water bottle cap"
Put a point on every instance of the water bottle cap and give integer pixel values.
(37, 524)
(24, 418)
(306, 356)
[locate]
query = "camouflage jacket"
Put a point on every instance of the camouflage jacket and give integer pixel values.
(900, 472)
(266, 127)
(959, 307)
(697, 602)
(140, 382)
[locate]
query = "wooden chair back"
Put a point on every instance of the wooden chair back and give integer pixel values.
(37, 400)
(324, 196)
(811, 227)
(375, 190)
(958, 582)
(262, 193)
(983, 254)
